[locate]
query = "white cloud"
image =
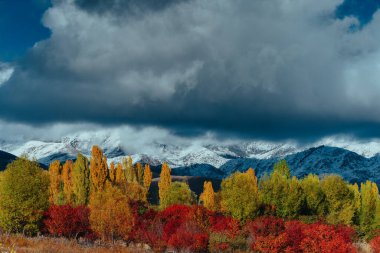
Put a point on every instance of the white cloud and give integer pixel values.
(6, 72)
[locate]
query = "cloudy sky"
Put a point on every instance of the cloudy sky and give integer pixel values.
(266, 69)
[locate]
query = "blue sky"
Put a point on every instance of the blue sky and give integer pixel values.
(20, 26)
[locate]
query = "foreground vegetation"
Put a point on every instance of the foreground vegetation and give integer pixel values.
(92, 202)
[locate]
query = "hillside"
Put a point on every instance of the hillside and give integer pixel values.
(5, 158)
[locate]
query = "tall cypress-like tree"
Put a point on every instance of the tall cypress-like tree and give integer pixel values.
(208, 196)
(369, 199)
(139, 173)
(55, 189)
(67, 181)
(130, 172)
(165, 181)
(98, 169)
(147, 176)
(119, 177)
(81, 180)
(112, 172)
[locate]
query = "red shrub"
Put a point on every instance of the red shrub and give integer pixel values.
(173, 217)
(266, 225)
(67, 221)
(223, 224)
(189, 237)
(327, 238)
(294, 236)
(375, 244)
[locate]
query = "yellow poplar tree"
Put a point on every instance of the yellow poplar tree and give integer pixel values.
(147, 179)
(165, 181)
(98, 169)
(139, 173)
(119, 177)
(208, 196)
(147, 176)
(67, 182)
(55, 182)
(112, 172)
(130, 173)
(81, 180)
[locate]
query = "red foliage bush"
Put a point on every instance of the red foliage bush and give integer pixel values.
(327, 238)
(266, 225)
(223, 224)
(189, 237)
(375, 244)
(67, 221)
(269, 234)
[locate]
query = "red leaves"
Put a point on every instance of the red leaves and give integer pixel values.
(269, 234)
(375, 244)
(67, 221)
(327, 238)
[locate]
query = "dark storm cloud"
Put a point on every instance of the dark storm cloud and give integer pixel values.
(271, 69)
(123, 7)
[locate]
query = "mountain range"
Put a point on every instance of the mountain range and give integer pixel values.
(355, 161)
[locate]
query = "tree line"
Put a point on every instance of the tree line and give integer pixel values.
(93, 199)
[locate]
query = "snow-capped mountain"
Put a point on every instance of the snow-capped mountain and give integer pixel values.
(354, 160)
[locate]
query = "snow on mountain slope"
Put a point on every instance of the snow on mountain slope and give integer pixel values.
(176, 153)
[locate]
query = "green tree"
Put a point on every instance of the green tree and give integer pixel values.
(275, 188)
(341, 201)
(294, 200)
(369, 201)
(282, 168)
(178, 193)
(314, 196)
(24, 196)
(81, 180)
(240, 196)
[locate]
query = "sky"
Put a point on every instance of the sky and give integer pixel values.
(273, 70)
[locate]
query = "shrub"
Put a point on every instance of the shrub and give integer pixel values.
(67, 221)
(327, 238)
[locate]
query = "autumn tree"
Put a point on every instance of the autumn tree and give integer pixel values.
(119, 174)
(56, 184)
(110, 216)
(98, 169)
(139, 173)
(67, 181)
(164, 182)
(314, 197)
(81, 180)
(208, 196)
(24, 196)
(369, 201)
(147, 179)
(112, 172)
(294, 200)
(147, 176)
(178, 193)
(240, 196)
(130, 172)
(341, 204)
(274, 188)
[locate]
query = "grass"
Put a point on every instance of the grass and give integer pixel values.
(21, 244)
